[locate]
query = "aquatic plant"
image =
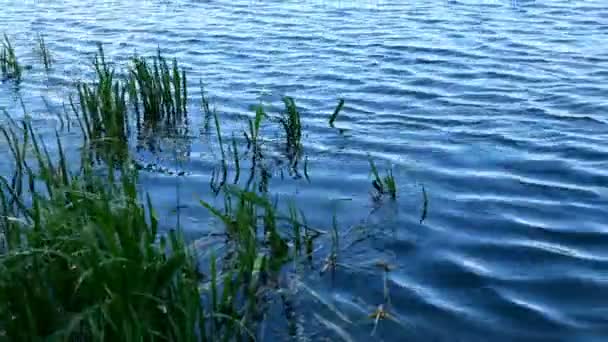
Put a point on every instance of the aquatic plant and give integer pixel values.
(260, 242)
(102, 110)
(206, 108)
(158, 92)
(292, 125)
(331, 262)
(82, 257)
(44, 52)
(254, 127)
(84, 260)
(425, 205)
(336, 112)
(9, 65)
(236, 158)
(217, 184)
(383, 185)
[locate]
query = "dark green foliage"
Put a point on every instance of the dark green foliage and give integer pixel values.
(83, 262)
(336, 112)
(158, 91)
(9, 65)
(383, 185)
(292, 125)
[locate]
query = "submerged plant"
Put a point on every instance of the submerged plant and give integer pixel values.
(383, 185)
(332, 260)
(9, 65)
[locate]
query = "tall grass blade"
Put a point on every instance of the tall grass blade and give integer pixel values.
(44, 52)
(425, 205)
(336, 112)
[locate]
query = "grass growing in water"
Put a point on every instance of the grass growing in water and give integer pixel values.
(383, 185)
(43, 51)
(84, 261)
(82, 256)
(9, 65)
(336, 112)
(292, 125)
(102, 113)
(160, 90)
(254, 127)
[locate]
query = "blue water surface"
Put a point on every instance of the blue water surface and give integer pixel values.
(497, 107)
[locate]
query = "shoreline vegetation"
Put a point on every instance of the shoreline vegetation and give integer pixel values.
(82, 256)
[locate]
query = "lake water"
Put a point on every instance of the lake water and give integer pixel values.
(498, 107)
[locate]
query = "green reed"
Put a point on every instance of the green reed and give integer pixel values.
(9, 65)
(336, 112)
(254, 126)
(158, 91)
(224, 165)
(84, 260)
(205, 108)
(43, 51)
(102, 112)
(83, 257)
(258, 245)
(383, 184)
(237, 164)
(292, 125)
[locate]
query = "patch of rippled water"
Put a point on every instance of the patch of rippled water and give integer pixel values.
(497, 106)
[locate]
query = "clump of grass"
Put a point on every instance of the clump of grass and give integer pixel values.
(159, 89)
(292, 125)
(103, 113)
(383, 185)
(82, 256)
(259, 245)
(9, 65)
(85, 261)
(43, 51)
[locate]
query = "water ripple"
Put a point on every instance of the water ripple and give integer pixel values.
(497, 106)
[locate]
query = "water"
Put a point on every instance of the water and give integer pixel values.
(497, 106)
